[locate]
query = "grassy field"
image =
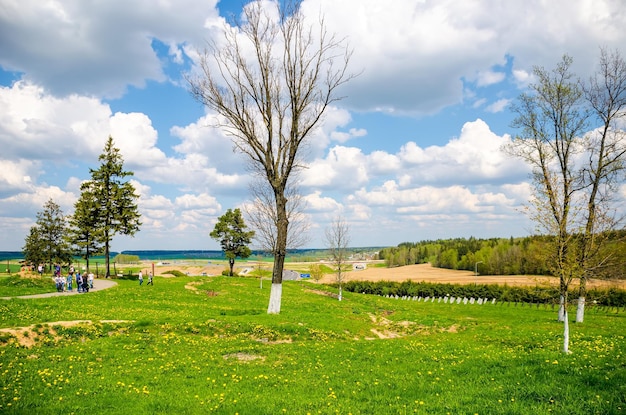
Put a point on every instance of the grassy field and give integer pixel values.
(202, 345)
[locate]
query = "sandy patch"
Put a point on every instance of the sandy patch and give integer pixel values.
(243, 357)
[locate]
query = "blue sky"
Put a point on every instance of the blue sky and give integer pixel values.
(411, 153)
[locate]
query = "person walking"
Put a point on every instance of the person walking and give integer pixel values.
(140, 278)
(150, 281)
(79, 282)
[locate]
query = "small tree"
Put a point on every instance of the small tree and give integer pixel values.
(46, 240)
(114, 198)
(316, 272)
(84, 233)
(33, 249)
(337, 240)
(230, 232)
(603, 171)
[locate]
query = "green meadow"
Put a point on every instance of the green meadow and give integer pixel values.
(205, 345)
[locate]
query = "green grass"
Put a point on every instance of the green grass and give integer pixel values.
(187, 352)
(15, 285)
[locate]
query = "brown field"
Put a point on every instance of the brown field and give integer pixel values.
(420, 272)
(426, 272)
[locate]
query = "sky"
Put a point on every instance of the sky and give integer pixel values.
(412, 152)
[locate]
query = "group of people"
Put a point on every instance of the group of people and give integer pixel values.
(150, 280)
(83, 282)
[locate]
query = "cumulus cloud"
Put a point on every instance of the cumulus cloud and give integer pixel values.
(498, 106)
(414, 54)
(97, 48)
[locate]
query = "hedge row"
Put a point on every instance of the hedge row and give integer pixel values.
(612, 297)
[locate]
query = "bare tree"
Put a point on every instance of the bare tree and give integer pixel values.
(575, 171)
(552, 121)
(271, 80)
(262, 216)
(605, 147)
(337, 241)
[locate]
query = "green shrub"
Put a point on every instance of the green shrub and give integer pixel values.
(612, 297)
(126, 259)
(175, 273)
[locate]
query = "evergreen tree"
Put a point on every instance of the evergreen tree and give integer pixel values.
(84, 233)
(115, 199)
(46, 241)
(230, 232)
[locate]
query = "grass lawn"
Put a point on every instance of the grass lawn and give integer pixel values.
(14, 285)
(202, 345)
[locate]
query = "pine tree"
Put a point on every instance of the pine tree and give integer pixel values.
(46, 241)
(84, 233)
(114, 197)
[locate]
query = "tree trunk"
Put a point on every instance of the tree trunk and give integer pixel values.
(580, 310)
(107, 272)
(582, 293)
(280, 253)
(562, 310)
(231, 263)
(275, 298)
(565, 333)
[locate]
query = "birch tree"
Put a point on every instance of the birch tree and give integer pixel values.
(603, 171)
(270, 79)
(337, 242)
(552, 121)
(573, 138)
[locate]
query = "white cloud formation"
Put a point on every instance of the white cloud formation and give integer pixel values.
(97, 48)
(498, 106)
(416, 58)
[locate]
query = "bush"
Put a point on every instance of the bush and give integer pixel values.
(612, 297)
(126, 259)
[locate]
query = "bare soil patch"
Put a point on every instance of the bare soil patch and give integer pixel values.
(28, 336)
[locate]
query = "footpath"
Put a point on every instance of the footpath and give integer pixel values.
(98, 284)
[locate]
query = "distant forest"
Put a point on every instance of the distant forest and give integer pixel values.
(500, 256)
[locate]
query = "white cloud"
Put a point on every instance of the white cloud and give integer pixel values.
(97, 48)
(413, 55)
(486, 78)
(499, 105)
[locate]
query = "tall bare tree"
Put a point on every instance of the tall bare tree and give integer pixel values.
(337, 242)
(605, 147)
(552, 121)
(573, 138)
(270, 79)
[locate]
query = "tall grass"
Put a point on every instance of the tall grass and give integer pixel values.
(210, 347)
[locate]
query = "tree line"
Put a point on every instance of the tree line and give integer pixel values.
(501, 256)
(107, 206)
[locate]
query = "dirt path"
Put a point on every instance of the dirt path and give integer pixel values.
(98, 284)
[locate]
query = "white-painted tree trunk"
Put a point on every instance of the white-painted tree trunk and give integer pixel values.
(275, 297)
(565, 333)
(340, 293)
(580, 310)
(562, 311)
